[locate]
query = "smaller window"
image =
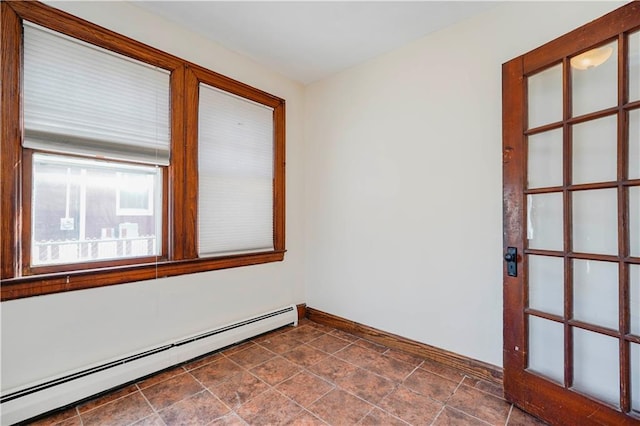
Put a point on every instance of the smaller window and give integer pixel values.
(235, 174)
(86, 210)
(134, 194)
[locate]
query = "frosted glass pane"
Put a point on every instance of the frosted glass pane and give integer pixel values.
(595, 292)
(634, 298)
(595, 221)
(545, 159)
(634, 66)
(546, 348)
(544, 221)
(596, 365)
(546, 284)
(634, 144)
(635, 378)
(545, 96)
(595, 150)
(634, 220)
(595, 87)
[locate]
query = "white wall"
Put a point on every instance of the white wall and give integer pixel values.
(47, 335)
(399, 226)
(403, 180)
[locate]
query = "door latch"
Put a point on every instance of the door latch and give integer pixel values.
(511, 256)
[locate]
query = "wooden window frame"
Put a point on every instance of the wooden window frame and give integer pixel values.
(179, 244)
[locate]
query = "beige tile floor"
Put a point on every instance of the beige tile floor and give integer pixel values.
(305, 375)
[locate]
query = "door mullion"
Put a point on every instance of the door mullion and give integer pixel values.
(568, 224)
(623, 225)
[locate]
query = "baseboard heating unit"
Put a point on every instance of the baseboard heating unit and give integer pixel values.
(28, 401)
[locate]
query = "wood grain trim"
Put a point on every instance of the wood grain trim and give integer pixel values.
(227, 84)
(547, 403)
(91, 33)
(605, 28)
(196, 75)
(190, 188)
(475, 368)
(35, 285)
(279, 176)
(514, 325)
(302, 311)
(10, 134)
(179, 243)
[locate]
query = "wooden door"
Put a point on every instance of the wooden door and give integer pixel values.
(571, 140)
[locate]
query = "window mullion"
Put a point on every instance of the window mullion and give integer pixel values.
(10, 170)
(189, 190)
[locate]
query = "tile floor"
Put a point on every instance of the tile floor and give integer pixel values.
(305, 375)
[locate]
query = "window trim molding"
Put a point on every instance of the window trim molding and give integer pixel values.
(196, 75)
(179, 208)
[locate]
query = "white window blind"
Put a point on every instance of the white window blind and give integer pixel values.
(235, 174)
(82, 99)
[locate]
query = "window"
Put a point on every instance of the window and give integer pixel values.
(235, 174)
(79, 210)
(123, 163)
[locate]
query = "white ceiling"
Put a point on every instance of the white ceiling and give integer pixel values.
(307, 41)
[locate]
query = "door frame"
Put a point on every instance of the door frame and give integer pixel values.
(551, 402)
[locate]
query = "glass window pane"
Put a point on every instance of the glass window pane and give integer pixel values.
(634, 66)
(544, 221)
(545, 159)
(545, 97)
(595, 292)
(634, 220)
(546, 284)
(596, 365)
(546, 348)
(87, 210)
(634, 298)
(595, 150)
(594, 79)
(595, 221)
(635, 378)
(634, 144)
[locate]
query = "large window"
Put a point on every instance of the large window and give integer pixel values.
(85, 210)
(123, 163)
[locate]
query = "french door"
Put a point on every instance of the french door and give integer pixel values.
(571, 139)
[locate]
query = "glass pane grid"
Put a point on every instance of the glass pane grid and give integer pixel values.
(594, 79)
(596, 366)
(546, 348)
(586, 219)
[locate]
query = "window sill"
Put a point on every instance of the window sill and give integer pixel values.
(36, 285)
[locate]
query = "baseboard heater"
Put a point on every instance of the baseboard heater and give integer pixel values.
(28, 401)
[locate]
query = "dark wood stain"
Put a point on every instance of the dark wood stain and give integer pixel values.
(180, 179)
(560, 403)
(470, 366)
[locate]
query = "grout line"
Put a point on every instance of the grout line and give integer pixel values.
(397, 384)
(292, 400)
(150, 405)
(439, 413)
(248, 400)
(359, 422)
(470, 415)
(79, 416)
(509, 415)
(231, 410)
